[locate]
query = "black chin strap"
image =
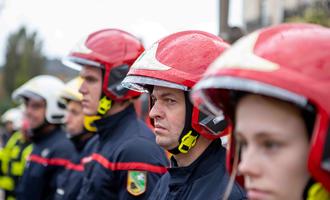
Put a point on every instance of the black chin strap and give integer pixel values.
(188, 136)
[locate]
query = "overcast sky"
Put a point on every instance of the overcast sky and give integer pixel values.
(61, 23)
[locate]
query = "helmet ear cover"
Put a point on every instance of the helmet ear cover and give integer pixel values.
(114, 78)
(325, 163)
(214, 124)
(112, 87)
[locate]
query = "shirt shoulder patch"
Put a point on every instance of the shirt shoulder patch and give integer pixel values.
(136, 182)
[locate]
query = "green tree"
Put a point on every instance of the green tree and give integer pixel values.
(24, 59)
(318, 13)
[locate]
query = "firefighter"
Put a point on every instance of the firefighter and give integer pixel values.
(51, 149)
(127, 162)
(12, 121)
(70, 181)
(275, 85)
(13, 156)
(168, 70)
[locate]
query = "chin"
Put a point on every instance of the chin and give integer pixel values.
(74, 133)
(89, 112)
(165, 145)
(158, 142)
(33, 126)
(161, 143)
(70, 131)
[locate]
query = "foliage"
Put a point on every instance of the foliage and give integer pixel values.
(319, 13)
(24, 59)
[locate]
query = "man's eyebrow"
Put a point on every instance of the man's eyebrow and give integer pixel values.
(166, 94)
(163, 95)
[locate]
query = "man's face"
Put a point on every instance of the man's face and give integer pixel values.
(91, 89)
(74, 118)
(35, 112)
(168, 113)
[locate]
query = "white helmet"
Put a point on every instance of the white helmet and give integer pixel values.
(14, 115)
(48, 88)
(71, 90)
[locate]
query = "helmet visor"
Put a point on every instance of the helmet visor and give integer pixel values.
(28, 95)
(139, 83)
(214, 91)
(78, 63)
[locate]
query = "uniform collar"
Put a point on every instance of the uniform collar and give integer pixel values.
(45, 135)
(80, 140)
(206, 162)
(107, 123)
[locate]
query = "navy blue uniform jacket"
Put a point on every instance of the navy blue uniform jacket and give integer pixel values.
(49, 156)
(125, 145)
(70, 181)
(205, 179)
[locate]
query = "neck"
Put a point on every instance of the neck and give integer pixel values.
(80, 140)
(186, 159)
(41, 131)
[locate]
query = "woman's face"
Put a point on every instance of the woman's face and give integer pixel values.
(275, 145)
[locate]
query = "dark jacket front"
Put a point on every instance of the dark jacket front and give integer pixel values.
(50, 154)
(127, 163)
(70, 180)
(205, 179)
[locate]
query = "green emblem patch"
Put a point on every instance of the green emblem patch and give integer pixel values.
(136, 182)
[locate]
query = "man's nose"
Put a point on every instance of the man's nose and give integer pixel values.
(156, 111)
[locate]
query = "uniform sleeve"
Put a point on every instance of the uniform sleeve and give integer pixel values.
(62, 155)
(33, 182)
(157, 191)
(39, 180)
(143, 163)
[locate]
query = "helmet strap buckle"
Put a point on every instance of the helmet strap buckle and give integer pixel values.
(104, 105)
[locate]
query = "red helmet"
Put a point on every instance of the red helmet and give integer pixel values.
(289, 62)
(113, 51)
(178, 61)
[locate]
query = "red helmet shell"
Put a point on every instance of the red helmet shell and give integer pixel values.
(177, 61)
(112, 49)
(289, 62)
(180, 58)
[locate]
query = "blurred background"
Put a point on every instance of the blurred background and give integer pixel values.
(35, 34)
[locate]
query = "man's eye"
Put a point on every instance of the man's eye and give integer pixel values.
(170, 101)
(91, 79)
